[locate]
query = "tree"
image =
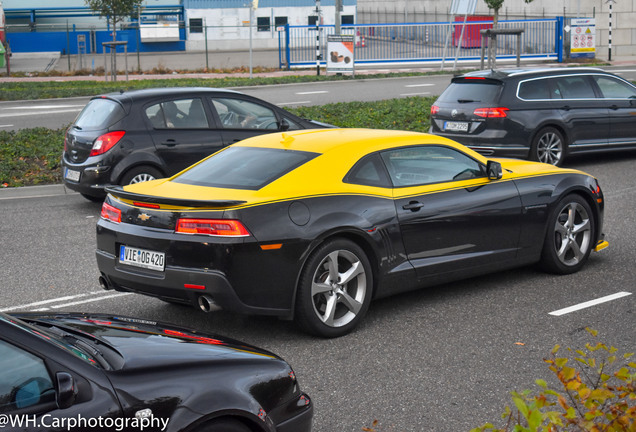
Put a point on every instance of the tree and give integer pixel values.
(495, 5)
(114, 11)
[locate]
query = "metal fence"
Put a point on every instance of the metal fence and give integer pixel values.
(416, 43)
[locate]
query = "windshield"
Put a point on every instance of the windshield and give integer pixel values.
(244, 167)
(469, 91)
(99, 114)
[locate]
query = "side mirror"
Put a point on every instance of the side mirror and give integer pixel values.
(66, 392)
(284, 125)
(494, 170)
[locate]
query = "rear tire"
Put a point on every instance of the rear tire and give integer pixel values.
(140, 174)
(549, 147)
(569, 236)
(335, 289)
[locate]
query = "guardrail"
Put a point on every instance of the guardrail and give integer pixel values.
(417, 43)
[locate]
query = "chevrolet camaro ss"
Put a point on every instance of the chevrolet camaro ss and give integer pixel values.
(312, 225)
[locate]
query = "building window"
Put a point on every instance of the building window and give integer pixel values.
(262, 24)
(346, 19)
(196, 25)
(280, 21)
(311, 20)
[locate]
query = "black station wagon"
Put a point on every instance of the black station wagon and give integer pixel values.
(130, 137)
(542, 115)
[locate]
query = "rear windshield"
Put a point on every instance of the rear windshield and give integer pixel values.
(244, 167)
(99, 114)
(469, 91)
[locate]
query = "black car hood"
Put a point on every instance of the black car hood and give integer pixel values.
(145, 344)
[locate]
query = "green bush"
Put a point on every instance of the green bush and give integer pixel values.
(32, 156)
(596, 393)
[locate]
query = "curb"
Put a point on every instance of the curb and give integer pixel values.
(34, 192)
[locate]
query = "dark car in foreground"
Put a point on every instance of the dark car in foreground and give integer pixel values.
(314, 224)
(140, 135)
(538, 114)
(61, 372)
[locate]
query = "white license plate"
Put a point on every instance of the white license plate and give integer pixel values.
(142, 258)
(456, 126)
(72, 175)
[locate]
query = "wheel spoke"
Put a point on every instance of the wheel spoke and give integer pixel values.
(352, 304)
(578, 254)
(571, 215)
(582, 227)
(332, 262)
(561, 229)
(330, 310)
(565, 246)
(319, 288)
(355, 269)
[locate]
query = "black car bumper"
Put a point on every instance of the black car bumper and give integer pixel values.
(86, 179)
(178, 285)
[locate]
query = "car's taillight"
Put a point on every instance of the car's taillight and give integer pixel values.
(213, 227)
(434, 109)
(491, 112)
(106, 142)
(111, 213)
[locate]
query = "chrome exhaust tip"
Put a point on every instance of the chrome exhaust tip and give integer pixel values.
(207, 304)
(103, 283)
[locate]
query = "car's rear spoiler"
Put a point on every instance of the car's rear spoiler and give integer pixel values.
(119, 192)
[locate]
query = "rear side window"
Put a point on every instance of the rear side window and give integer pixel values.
(99, 114)
(534, 89)
(178, 114)
(468, 91)
(573, 87)
(244, 167)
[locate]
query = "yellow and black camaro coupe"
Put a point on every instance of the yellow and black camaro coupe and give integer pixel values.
(312, 225)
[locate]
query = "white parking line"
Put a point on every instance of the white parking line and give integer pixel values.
(419, 85)
(312, 92)
(44, 302)
(44, 107)
(590, 303)
(415, 94)
(7, 125)
(85, 301)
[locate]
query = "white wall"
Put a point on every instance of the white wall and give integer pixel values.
(228, 29)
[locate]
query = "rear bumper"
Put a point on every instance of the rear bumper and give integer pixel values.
(92, 178)
(177, 284)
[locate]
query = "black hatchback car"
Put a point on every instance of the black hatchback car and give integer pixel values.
(538, 114)
(110, 373)
(135, 136)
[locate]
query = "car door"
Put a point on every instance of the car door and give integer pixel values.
(30, 383)
(182, 131)
(585, 115)
(620, 97)
(241, 118)
(451, 216)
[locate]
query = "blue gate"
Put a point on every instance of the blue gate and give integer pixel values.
(416, 43)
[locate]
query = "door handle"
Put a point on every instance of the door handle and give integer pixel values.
(169, 143)
(413, 206)
(614, 107)
(566, 108)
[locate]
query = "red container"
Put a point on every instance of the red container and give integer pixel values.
(472, 37)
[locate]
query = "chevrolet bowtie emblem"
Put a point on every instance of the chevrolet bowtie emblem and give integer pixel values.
(143, 216)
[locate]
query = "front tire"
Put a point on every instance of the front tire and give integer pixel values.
(335, 289)
(549, 147)
(569, 237)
